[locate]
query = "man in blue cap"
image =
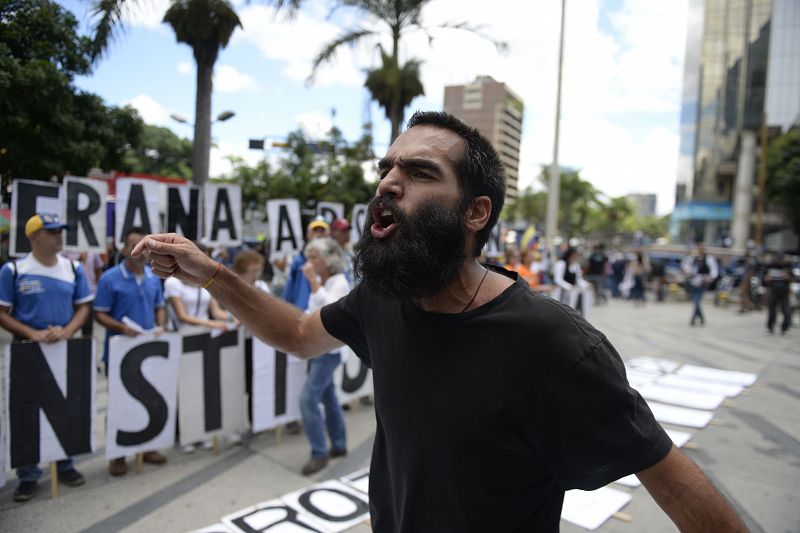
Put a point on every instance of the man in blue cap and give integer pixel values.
(44, 297)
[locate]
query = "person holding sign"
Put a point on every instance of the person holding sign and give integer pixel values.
(491, 400)
(129, 302)
(44, 297)
(324, 270)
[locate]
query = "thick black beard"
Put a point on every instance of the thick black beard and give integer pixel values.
(423, 256)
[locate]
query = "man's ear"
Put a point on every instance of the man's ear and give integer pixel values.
(478, 213)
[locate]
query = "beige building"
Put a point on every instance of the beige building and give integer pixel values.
(496, 111)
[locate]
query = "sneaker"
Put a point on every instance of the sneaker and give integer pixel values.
(207, 445)
(293, 428)
(25, 491)
(187, 448)
(118, 467)
(337, 453)
(314, 465)
(154, 458)
(71, 478)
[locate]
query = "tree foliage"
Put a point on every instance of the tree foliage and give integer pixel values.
(161, 153)
(330, 170)
(47, 126)
(783, 174)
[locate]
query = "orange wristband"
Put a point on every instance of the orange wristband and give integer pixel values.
(208, 283)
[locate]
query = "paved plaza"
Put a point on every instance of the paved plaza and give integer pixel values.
(751, 450)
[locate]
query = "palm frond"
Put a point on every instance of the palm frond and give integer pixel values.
(109, 24)
(500, 46)
(329, 51)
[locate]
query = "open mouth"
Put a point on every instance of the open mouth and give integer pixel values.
(384, 222)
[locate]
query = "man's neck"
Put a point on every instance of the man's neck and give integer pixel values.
(473, 287)
(45, 259)
(133, 268)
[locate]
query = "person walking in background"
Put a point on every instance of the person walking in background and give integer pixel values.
(130, 291)
(44, 297)
(638, 270)
(340, 232)
(596, 272)
(514, 263)
(569, 286)
(700, 269)
(324, 270)
(778, 279)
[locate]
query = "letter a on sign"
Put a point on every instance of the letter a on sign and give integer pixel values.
(85, 209)
(223, 214)
(285, 228)
(50, 409)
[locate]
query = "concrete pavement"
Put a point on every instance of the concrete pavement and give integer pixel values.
(753, 455)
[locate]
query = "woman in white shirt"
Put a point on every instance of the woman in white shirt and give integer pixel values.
(324, 269)
(569, 283)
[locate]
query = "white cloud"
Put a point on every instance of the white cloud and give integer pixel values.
(315, 124)
(185, 68)
(228, 79)
(146, 13)
(151, 111)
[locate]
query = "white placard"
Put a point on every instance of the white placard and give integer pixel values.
(702, 385)
(218, 409)
(653, 363)
(214, 528)
(150, 367)
(358, 480)
(680, 416)
(136, 206)
(29, 197)
(273, 516)
(357, 221)
(590, 509)
(682, 397)
(730, 377)
(330, 211)
(333, 505)
(183, 211)
(277, 383)
(35, 378)
(353, 378)
(285, 226)
(222, 214)
(85, 212)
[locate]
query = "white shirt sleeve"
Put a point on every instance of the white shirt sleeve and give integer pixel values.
(335, 287)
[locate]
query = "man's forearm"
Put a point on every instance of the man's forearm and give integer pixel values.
(78, 319)
(274, 321)
(108, 322)
(688, 497)
(15, 327)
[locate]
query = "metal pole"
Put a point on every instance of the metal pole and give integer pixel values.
(762, 184)
(555, 176)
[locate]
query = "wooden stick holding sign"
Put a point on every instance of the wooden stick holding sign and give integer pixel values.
(54, 480)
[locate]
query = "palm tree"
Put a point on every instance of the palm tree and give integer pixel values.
(206, 26)
(392, 85)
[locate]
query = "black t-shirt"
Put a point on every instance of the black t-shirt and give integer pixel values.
(485, 418)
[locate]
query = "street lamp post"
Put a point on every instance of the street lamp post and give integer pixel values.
(555, 173)
(201, 145)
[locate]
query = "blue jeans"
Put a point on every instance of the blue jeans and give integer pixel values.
(697, 299)
(33, 472)
(319, 387)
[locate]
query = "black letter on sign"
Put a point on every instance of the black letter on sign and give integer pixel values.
(327, 214)
(361, 505)
(211, 348)
(177, 215)
(280, 383)
(353, 384)
(285, 222)
(217, 223)
(77, 217)
(136, 202)
(130, 372)
(291, 518)
(33, 388)
(26, 208)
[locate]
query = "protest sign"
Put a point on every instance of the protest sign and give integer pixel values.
(285, 227)
(27, 199)
(85, 212)
(136, 206)
(50, 391)
(142, 393)
(277, 383)
(183, 211)
(359, 220)
(353, 378)
(222, 214)
(330, 211)
(211, 387)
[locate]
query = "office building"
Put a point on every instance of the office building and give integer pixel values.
(644, 204)
(496, 111)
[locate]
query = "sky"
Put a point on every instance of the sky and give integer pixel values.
(622, 76)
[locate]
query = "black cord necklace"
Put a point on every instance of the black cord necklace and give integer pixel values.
(485, 273)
